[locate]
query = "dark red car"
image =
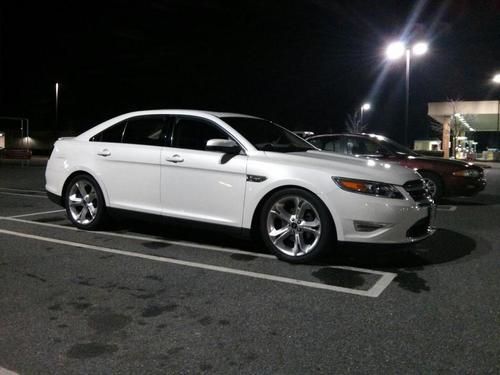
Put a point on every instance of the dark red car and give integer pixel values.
(444, 177)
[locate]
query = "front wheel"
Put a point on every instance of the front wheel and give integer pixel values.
(84, 202)
(433, 184)
(296, 226)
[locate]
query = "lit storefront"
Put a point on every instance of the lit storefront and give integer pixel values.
(469, 127)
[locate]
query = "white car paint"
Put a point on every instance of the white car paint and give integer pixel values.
(201, 188)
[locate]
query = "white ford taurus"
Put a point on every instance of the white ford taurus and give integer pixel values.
(235, 171)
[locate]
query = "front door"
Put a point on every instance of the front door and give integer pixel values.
(198, 184)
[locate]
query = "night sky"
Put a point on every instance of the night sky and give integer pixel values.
(303, 64)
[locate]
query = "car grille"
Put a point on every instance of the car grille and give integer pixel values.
(420, 228)
(418, 192)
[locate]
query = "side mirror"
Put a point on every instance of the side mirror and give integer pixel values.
(226, 146)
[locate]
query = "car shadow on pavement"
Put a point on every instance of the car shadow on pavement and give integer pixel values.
(406, 260)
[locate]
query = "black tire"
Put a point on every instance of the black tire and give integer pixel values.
(84, 202)
(291, 214)
(434, 184)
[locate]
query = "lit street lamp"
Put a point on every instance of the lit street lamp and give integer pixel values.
(395, 51)
(364, 107)
(496, 80)
(57, 101)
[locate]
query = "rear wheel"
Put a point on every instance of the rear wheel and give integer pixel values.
(84, 202)
(433, 184)
(296, 226)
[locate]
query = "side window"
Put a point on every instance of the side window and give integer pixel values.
(194, 133)
(112, 134)
(362, 146)
(334, 144)
(144, 130)
(318, 142)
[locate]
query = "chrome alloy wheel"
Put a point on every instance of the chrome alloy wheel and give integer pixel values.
(294, 226)
(83, 202)
(430, 185)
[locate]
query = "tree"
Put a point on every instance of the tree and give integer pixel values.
(353, 123)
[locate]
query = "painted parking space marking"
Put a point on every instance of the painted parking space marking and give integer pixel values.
(145, 238)
(4, 371)
(186, 244)
(446, 208)
(37, 213)
(373, 292)
(22, 190)
(23, 195)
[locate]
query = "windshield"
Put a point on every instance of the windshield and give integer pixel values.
(267, 136)
(395, 147)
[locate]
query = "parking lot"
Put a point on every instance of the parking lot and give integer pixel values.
(147, 298)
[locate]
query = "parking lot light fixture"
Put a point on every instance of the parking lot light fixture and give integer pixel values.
(364, 107)
(420, 48)
(395, 50)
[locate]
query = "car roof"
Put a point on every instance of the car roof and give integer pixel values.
(364, 135)
(194, 112)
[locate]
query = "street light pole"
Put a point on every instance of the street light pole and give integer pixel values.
(407, 99)
(57, 102)
(364, 107)
(395, 51)
(496, 80)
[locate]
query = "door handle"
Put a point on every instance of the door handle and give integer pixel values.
(104, 152)
(174, 159)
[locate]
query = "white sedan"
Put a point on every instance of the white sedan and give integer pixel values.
(235, 172)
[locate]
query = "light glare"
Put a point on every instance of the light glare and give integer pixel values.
(420, 48)
(496, 78)
(395, 50)
(366, 106)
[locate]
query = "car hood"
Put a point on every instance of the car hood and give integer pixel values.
(449, 162)
(346, 166)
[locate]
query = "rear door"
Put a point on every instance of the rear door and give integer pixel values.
(127, 161)
(202, 185)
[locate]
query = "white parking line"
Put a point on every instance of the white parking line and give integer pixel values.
(446, 208)
(144, 238)
(25, 190)
(373, 292)
(4, 371)
(37, 213)
(24, 195)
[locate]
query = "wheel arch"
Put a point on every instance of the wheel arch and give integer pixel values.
(82, 172)
(258, 209)
(434, 173)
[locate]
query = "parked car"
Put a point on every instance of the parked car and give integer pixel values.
(303, 133)
(237, 172)
(443, 177)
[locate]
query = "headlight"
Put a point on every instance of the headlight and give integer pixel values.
(377, 189)
(467, 173)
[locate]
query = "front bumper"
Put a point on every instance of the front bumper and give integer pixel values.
(393, 221)
(466, 187)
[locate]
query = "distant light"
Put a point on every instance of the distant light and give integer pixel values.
(366, 106)
(395, 50)
(496, 78)
(420, 48)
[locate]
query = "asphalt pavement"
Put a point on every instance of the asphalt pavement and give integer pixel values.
(148, 298)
